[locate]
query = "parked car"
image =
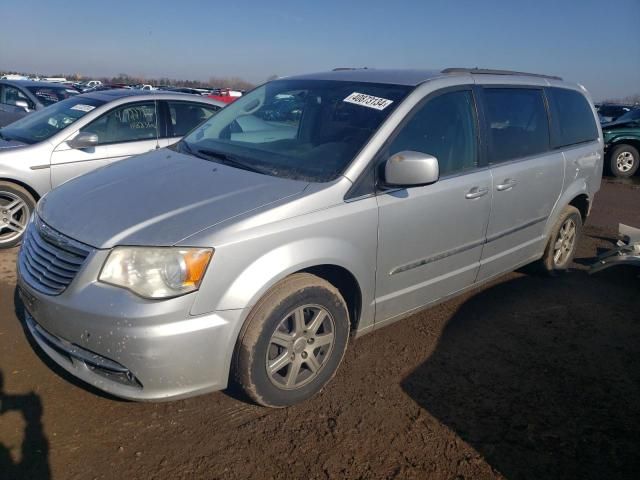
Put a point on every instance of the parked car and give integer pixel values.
(191, 91)
(82, 133)
(21, 97)
(87, 86)
(252, 248)
(13, 77)
(54, 79)
(622, 144)
(608, 112)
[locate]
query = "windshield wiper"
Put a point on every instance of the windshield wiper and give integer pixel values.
(229, 160)
(182, 147)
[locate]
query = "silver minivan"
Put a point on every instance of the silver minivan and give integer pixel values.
(313, 209)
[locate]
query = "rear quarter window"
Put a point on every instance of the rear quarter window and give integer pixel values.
(572, 119)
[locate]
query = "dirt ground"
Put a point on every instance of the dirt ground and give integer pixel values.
(528, 377)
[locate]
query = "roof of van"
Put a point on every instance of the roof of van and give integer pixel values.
(405, 77)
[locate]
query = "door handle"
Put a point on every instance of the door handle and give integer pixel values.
(508, 184)
(476, 192)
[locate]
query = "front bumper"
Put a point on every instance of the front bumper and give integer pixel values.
(131, 347)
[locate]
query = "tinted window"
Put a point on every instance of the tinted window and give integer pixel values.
(185, 116)
(49, 95)
(572, 118)
(445, 128)
(517, 123)
(128, 123)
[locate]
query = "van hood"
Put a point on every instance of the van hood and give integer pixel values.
(157, 199)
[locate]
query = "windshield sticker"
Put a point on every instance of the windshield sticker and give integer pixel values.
(82, 107)
(368, 101)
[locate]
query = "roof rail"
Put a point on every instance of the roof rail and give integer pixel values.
(488, 71)
(339, 69)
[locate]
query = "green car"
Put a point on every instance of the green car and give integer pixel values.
(622, 144)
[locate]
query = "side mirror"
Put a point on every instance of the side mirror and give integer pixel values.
(84, 140)
(23, 105)
(411, 169)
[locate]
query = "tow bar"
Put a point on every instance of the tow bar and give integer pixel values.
(626, 252)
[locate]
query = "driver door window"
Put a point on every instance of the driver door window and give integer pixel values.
(128, 123)
(10, 95)
(9, 111)
(122, 132)
(445, 128)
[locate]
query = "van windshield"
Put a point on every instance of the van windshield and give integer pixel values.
(45, 123)
(301, 129)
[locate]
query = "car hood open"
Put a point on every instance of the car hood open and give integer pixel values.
(157, 199)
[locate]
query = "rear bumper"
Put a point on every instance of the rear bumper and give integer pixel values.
(149, 352)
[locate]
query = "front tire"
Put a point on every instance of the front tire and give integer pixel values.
(16, 206)
(293, 342)
(624, 161)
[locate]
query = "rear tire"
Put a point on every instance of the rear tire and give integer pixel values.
(563, 241)
(624, 161)
(293, 342)
(16, 206)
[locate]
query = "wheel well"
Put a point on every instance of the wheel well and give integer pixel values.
(581, 202)
(626, 141)
(33, 193)
(347, 285)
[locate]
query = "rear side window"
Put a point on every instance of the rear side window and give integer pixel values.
(571, 117)
(517, 123)
(185, 116)
(444, 127)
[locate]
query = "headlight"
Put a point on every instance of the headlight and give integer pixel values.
(156, 272)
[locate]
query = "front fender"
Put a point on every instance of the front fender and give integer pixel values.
(244, 268)
(254, 281)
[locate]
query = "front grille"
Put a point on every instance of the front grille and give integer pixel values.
(49, 261)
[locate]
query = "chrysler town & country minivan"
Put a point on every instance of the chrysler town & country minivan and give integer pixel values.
(253, 249)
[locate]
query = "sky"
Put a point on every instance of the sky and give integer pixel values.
(593, 42)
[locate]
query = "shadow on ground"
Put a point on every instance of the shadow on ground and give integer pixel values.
(542, 377)
(34, 458)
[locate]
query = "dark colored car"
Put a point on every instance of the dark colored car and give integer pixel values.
(21, 97)
(609, 112)
(622, 143)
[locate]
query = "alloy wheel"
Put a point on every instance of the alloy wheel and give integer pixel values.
(625, 161)
(14, 215)
(564, 243)
(300, 346)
